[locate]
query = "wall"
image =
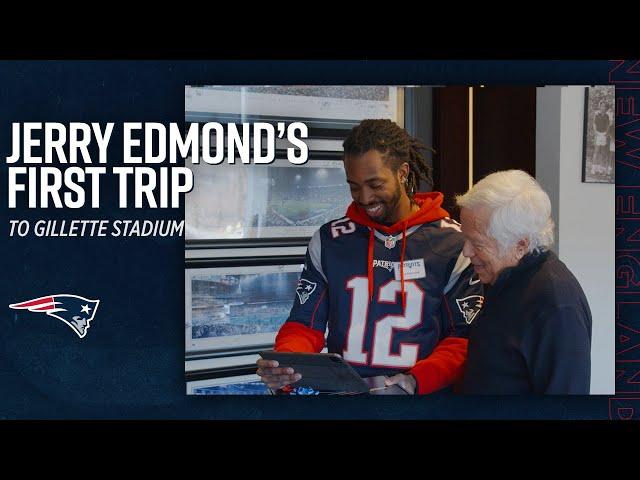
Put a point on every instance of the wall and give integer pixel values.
(584, 214)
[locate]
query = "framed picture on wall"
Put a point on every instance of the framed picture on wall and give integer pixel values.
(238, 304)
(330, 148)
(599, 142)
(240, 385)
(328, 111)
(280, 200)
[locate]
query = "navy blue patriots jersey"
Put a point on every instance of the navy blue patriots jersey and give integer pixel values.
(368, 324)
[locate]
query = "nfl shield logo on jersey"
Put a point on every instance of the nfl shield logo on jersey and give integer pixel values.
(390, 242)
(304, 290)
(470, 306)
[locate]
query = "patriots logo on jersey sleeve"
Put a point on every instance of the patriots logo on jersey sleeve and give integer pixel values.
(470, 306)
(304, 290)
(73, 310)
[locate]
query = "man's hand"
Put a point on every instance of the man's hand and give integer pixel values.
(275, 377)
(406, 382)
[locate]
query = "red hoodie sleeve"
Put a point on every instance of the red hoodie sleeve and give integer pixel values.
(443, 367)
(296, 337)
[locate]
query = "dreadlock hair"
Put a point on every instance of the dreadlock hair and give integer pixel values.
(395, 145)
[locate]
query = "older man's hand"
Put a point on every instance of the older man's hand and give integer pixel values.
(404, 381)
(274, 376)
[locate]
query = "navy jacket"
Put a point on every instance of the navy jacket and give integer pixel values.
(533, 334)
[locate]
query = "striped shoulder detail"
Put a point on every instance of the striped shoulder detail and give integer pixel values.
(447, 222)
(461, 265)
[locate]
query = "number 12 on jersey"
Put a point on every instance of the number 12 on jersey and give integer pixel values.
(384, 327)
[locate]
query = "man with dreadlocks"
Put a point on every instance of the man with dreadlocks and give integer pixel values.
(387, 282)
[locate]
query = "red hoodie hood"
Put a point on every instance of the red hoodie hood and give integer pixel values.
(430, 211)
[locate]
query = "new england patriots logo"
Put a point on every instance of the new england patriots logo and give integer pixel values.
(470, 306)
(73, 310)
(304, 290)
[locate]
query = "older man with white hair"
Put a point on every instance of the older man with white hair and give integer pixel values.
(533, 334)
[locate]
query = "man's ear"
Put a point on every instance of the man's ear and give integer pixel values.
(522, 247)
(403, 171)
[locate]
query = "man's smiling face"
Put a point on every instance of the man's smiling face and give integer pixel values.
(375, 187)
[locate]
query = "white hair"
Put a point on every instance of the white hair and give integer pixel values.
(519, 209)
